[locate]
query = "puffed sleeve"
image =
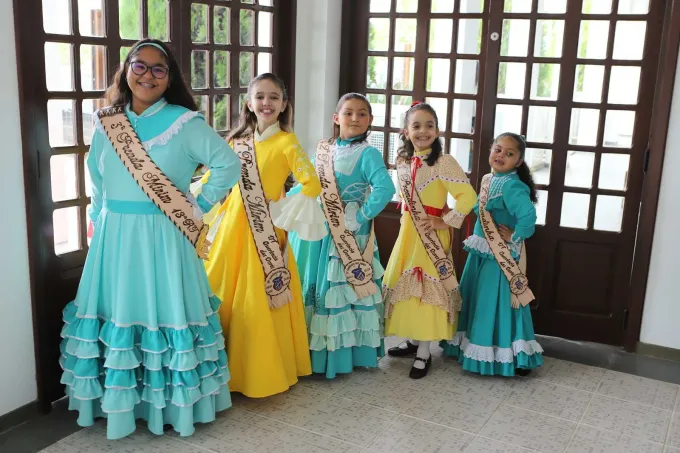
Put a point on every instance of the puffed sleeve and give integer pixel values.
(300, 211)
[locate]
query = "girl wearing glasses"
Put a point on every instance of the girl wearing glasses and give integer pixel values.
(142, 338)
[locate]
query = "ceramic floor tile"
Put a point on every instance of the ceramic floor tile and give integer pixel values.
(408, 434)
(484, 445)
(548, 398)
(294, 440)
(591, 440)
(450, 377)
(638, 389)
(671, 450)
(465, 411)
(322, 384)
(385, 390)
(569, 374)
(674, 432)
(288, 406)
(635, 420)
(93, 440)
(237, 431)
(529, 430)
(347, 420)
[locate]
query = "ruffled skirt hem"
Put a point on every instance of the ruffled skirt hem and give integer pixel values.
(164, 376)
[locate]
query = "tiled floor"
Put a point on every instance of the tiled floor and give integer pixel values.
(563, 407)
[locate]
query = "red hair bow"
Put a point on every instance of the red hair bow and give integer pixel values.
(414, 103)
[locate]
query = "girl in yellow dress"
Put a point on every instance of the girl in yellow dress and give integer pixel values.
(417, 304)
(267, 347)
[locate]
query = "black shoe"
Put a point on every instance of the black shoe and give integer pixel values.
(417, 373)
(522, 372)
(396, 351)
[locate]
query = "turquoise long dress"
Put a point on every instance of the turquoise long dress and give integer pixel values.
(142, 338)
(494, 338)
(345, 331)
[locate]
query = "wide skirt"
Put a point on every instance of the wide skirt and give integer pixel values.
(142, 339)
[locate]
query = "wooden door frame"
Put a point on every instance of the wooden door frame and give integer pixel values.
(546, 319)
(665, 78)
(656, 150)
(22, 35)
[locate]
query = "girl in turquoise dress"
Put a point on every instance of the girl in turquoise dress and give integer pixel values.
(346, 331)
(142, 338)
(492, 337)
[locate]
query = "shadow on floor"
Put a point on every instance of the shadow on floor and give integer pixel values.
(40, 432)
(611, 358)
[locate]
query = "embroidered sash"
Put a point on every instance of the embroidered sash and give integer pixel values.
(515, 273)
(162, 192)
(358, 270)
(276, 276)
(433, 246)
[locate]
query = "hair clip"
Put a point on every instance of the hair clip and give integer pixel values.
(414, 103)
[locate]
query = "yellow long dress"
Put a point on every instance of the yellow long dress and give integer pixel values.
(267, 349)
(417, 304)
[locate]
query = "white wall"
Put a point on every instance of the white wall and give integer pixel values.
(661, 316)
(17, 359)
(317, 69)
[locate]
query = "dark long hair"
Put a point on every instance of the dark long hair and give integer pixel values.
(119, 93)
(523, 170)
(346, 97)
(406, 151)
(248, 119)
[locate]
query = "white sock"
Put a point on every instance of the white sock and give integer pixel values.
(423, 353)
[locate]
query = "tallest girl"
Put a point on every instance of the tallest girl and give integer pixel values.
(142, 338)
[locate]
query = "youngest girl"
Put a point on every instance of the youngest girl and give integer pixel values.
(495, 331)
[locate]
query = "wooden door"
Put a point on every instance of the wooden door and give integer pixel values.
(67, 52)
(577, 78)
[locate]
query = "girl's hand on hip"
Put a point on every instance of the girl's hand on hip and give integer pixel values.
(434, 223)
(505, 232)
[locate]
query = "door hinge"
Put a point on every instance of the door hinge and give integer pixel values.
(646, 163)
(624, 321)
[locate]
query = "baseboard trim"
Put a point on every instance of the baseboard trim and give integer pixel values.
(660, 352)
(18, 416)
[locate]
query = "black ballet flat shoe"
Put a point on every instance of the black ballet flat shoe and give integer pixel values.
(522, 372)
(396, 351)
(417, 373)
